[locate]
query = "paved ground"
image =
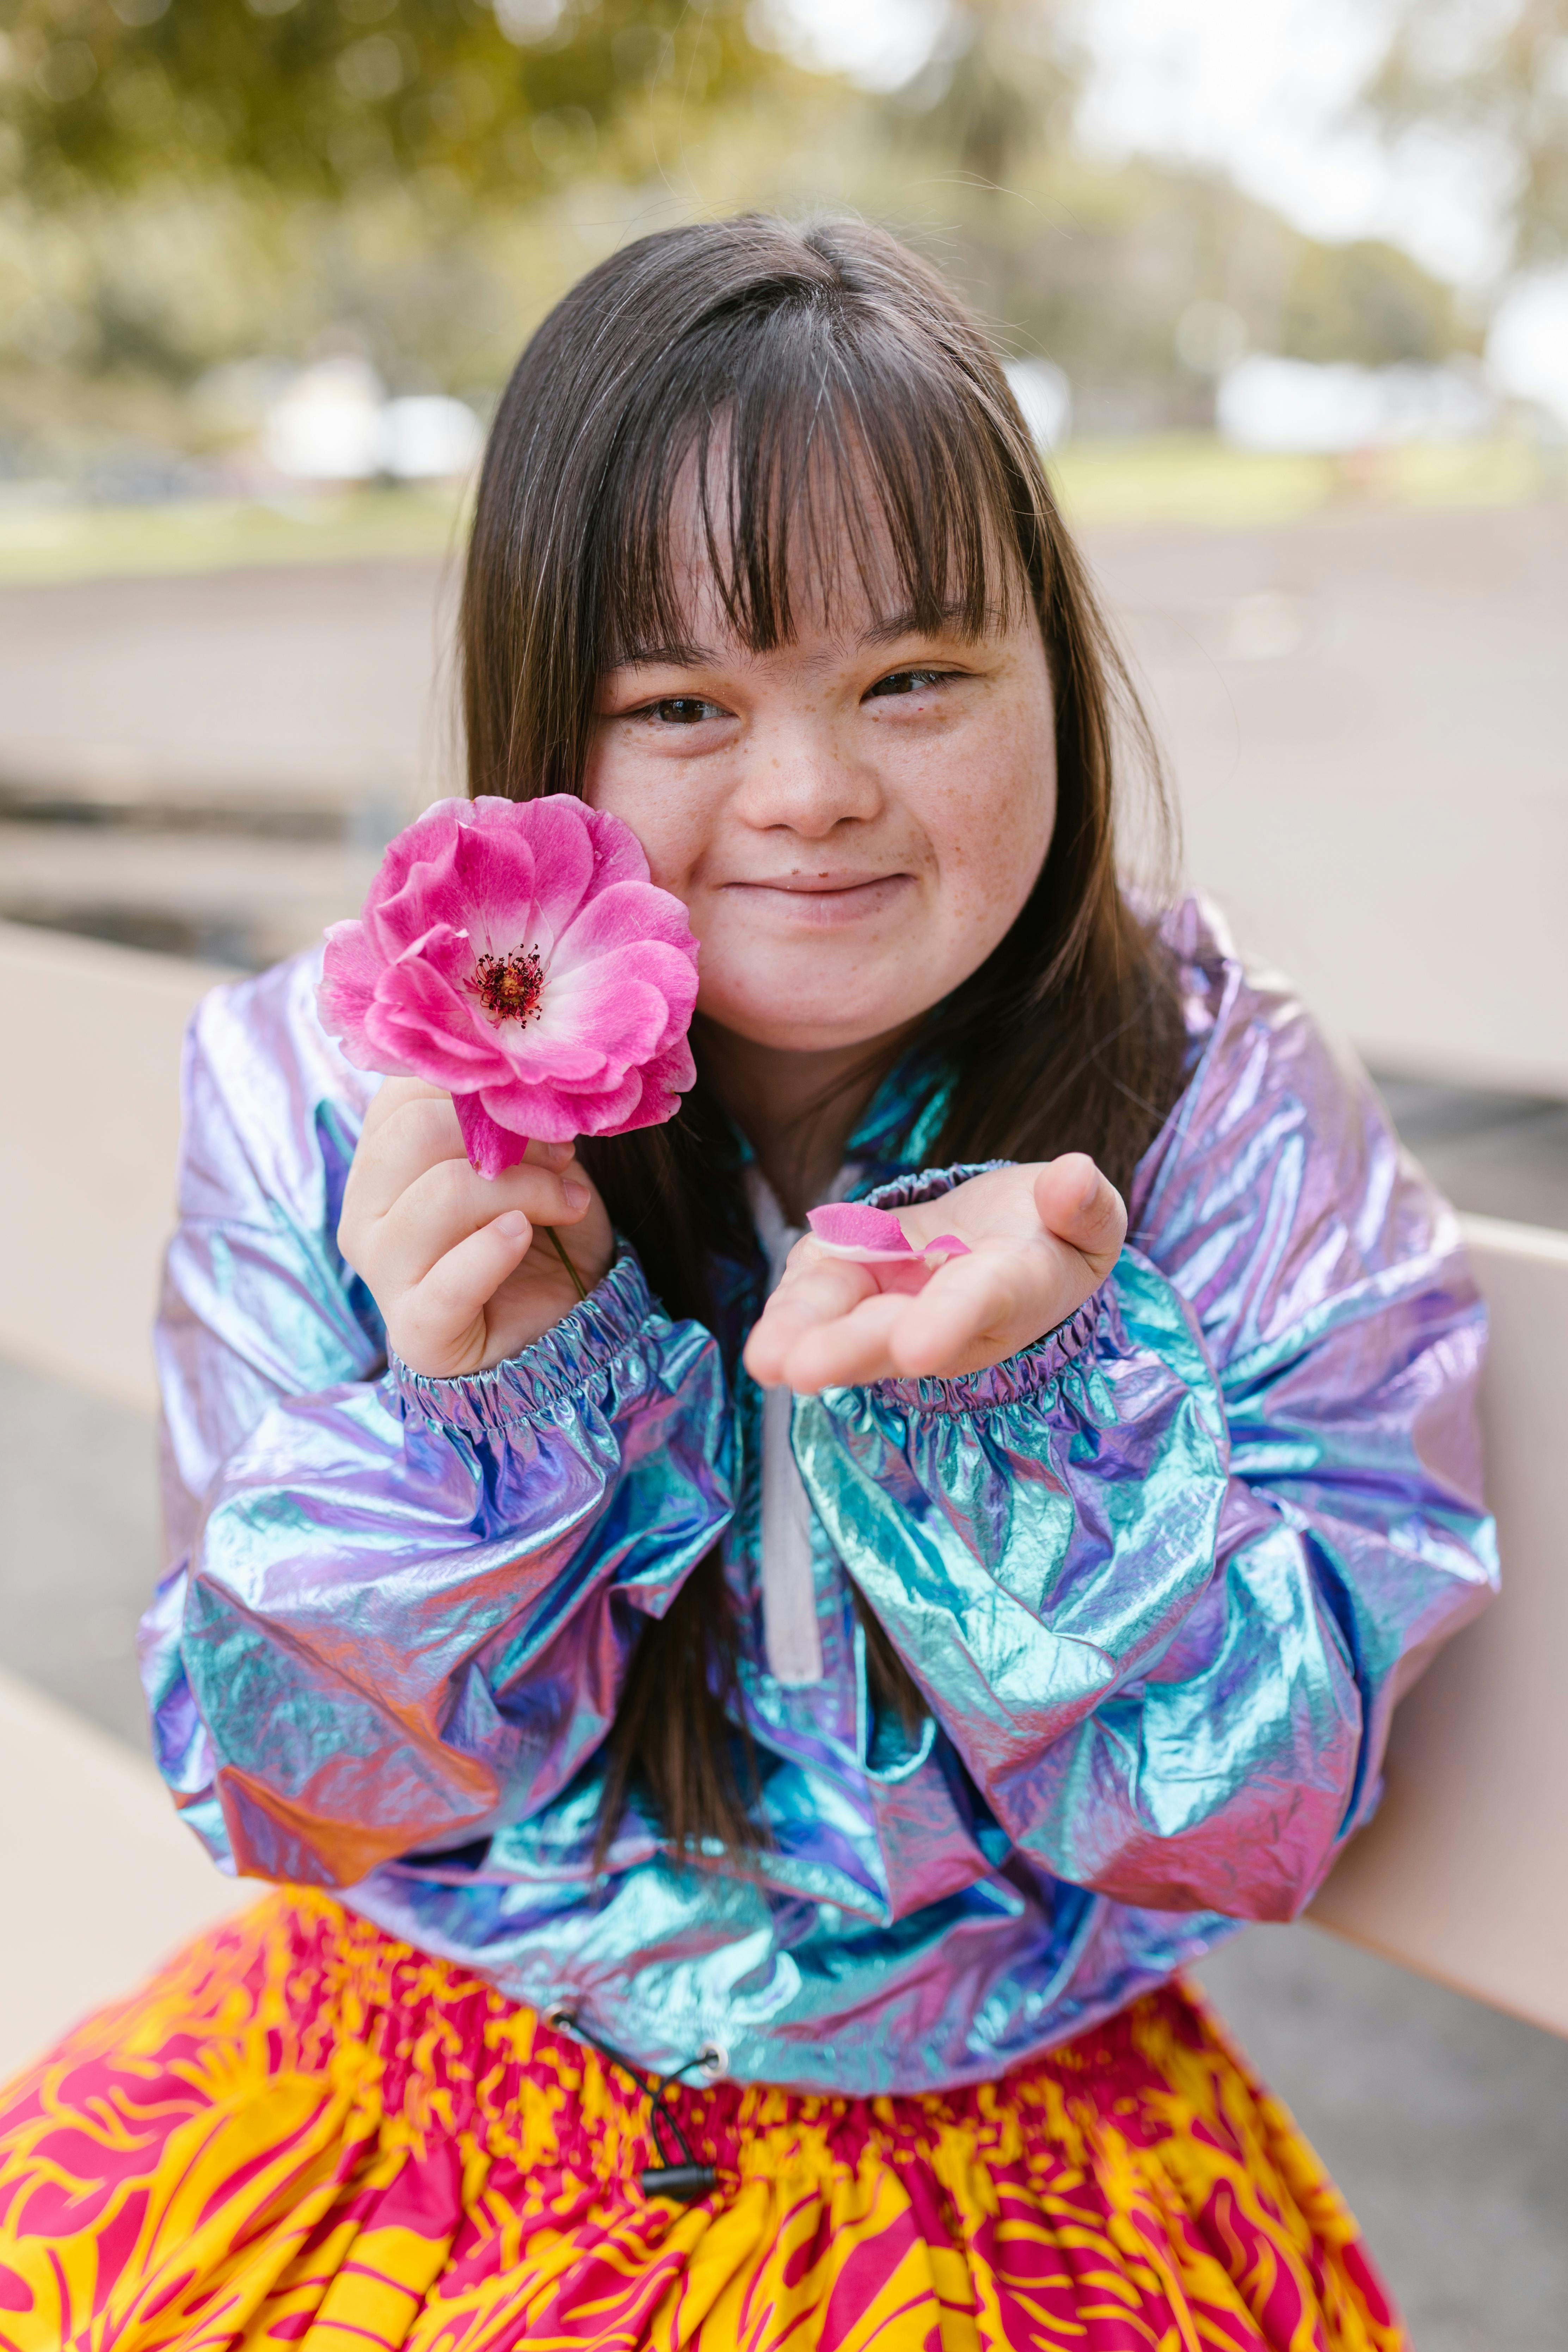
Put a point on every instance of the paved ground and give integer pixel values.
(1366, 717)
(250, 688)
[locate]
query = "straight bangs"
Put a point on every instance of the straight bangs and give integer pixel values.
(833, 473)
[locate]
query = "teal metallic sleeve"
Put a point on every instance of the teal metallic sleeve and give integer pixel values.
(1156, 1575)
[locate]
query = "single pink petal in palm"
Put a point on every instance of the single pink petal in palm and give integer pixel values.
(867, 1236)
(853, 1225)
(518, 954)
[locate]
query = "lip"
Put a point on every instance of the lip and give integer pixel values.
(824, 898)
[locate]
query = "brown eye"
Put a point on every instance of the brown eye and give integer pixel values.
(684, 710)
(908, 681)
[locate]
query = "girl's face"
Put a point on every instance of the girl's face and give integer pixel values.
(853, 820)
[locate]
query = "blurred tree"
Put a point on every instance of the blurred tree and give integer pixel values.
(190, 184)
(1367, 302)
(489, 97)
(1002, 86)
(1496, 71)
(1121, 274)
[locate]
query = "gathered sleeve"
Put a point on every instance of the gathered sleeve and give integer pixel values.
(400, 1610)
(1161, 1577)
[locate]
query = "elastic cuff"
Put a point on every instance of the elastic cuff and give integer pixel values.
(557, 1366)
(930, 1185)
(1017, 1377)
(1011, 1381)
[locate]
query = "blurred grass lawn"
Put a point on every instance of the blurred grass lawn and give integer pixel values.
(1178, 479)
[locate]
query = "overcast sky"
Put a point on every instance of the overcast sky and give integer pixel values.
(1261, 87)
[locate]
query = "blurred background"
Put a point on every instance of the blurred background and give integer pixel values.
(1283, 289)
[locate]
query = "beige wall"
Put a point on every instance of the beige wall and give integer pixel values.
(107, 1877)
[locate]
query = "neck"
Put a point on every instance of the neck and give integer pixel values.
(797, 1110)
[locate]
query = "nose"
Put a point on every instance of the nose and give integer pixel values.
(801, 776)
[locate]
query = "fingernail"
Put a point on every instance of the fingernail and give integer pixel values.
(577, 1195)
(511, 1223)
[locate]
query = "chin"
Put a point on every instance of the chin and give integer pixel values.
(826, 1034)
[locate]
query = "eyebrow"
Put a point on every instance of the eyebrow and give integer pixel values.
(681, 654)
(908, 623)
(675, 654)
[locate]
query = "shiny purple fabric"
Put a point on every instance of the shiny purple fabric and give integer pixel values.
(1155, 1577)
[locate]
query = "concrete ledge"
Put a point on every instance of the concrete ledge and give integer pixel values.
(1461, 1874)
(102, 1879)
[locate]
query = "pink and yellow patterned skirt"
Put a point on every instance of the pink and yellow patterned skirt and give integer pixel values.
(302, 2133)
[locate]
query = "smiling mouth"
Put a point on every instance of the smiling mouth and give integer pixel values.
(824, 886)
(823, 902)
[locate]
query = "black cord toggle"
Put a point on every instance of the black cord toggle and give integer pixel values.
(686, 2181)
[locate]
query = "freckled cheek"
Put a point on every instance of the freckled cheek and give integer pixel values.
(675, 840)
(988, 866)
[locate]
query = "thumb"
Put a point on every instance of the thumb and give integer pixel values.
(1082, 1208)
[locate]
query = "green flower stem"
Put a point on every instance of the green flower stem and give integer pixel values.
(559, 1247)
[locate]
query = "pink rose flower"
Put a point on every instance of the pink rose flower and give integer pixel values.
(516, 953)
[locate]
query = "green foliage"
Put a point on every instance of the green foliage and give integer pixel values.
(488, 97)
(1367, 302)
(190, 183)
(1103, 269)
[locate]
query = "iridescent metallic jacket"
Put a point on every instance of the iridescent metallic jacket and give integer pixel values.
(1155, 1576)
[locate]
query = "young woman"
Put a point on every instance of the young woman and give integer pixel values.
(745, 1771)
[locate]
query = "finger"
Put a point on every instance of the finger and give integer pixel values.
(418, 1130)
(1082, 1208)
(394, 1095)
(818, 1292)
(391, 1096)
(442, 1318)
(450, 1200)
(852, 1349)
(413, 1134)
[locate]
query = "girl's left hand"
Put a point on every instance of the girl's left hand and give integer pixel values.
(1042, 1239)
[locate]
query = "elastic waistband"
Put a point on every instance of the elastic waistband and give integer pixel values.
(423, 2047)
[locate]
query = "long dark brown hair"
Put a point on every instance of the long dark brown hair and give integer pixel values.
(790, 368)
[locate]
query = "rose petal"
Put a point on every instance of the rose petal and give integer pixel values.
(562, 846)
(413, 886)
(492, 1150)
(853, 1225)
(495, 882)
(350, 971)
(627, 914)
(618, 855)
(434, 1025)
(555, 1114)
(616, 1001)
(672, 1070)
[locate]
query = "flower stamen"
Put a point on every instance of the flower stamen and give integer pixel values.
(508, 987)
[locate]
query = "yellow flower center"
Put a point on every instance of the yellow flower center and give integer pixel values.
(510, 987)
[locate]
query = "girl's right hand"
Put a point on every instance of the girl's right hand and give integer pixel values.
(450, 1256)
